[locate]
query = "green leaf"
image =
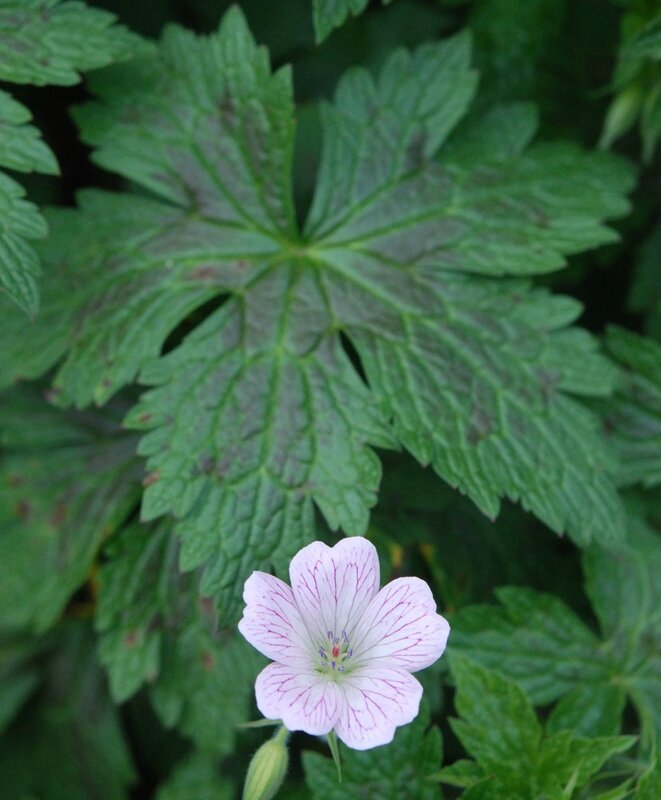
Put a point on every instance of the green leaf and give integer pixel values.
(196, 778)
(632, 417)
(41, 42)
(542, 644)
(19, 672)
(34, 346)
(20, 222)
(156, 629)
(399, 771)
(330, 14)
(513, 758)
(21, 146)
(643, 45)
(67, 744)
(513, 39)
(261, 407)
(497, 724)
(645, 294)
(649, 786)
(52, 42)
(66, 482)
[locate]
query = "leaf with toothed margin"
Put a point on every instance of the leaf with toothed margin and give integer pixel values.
(66, 482)
(542, 644)
(632, 416)
(155, 630)
(51, 42)
(400, 770)
(41, 42)
(21, 146)
(285, 421)
(513, 756)
(416, 248)
(20, 223)
(330, 14)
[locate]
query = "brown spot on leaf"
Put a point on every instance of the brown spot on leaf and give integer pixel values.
(22, 510)
(208, 661)
(15, 480)
(59, 515)
(206, 272)
(151, 478)
(206, 464)
(206, 606)
(131, 638)
(480, 427)
(144, 417)
(548, 380)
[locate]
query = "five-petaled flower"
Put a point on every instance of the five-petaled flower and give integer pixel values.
(343, 650)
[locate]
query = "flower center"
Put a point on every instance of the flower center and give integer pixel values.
(335, 652)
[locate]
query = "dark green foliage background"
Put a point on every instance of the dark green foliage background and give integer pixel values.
(448, 407)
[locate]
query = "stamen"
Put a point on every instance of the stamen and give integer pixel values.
(334, 658)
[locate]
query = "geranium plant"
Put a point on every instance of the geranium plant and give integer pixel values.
(326, 325)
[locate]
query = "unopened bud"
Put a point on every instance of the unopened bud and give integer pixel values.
(268, 768)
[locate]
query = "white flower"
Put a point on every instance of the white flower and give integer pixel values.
(343, 650)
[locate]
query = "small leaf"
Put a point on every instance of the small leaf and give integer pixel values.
(513, 758)
(540, 642)
(398, 771)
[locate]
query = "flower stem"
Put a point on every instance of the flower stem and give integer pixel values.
(335, 752)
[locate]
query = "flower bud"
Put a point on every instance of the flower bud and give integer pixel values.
(268, 768)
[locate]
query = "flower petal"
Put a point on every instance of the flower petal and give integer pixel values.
(271, 621)
(401, 627)
(377, 700)
(334, 586)
(303, 700)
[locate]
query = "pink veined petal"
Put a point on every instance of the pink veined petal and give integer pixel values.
(401, 628)
(303, 700)
(377, 700)
(271, 621)
(334, 586)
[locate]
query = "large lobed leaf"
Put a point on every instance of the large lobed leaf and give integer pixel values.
(554, 655)
(407, 251)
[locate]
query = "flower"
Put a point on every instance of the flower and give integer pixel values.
(343, 650)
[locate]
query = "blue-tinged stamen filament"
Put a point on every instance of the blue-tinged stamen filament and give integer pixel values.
(335, 653)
